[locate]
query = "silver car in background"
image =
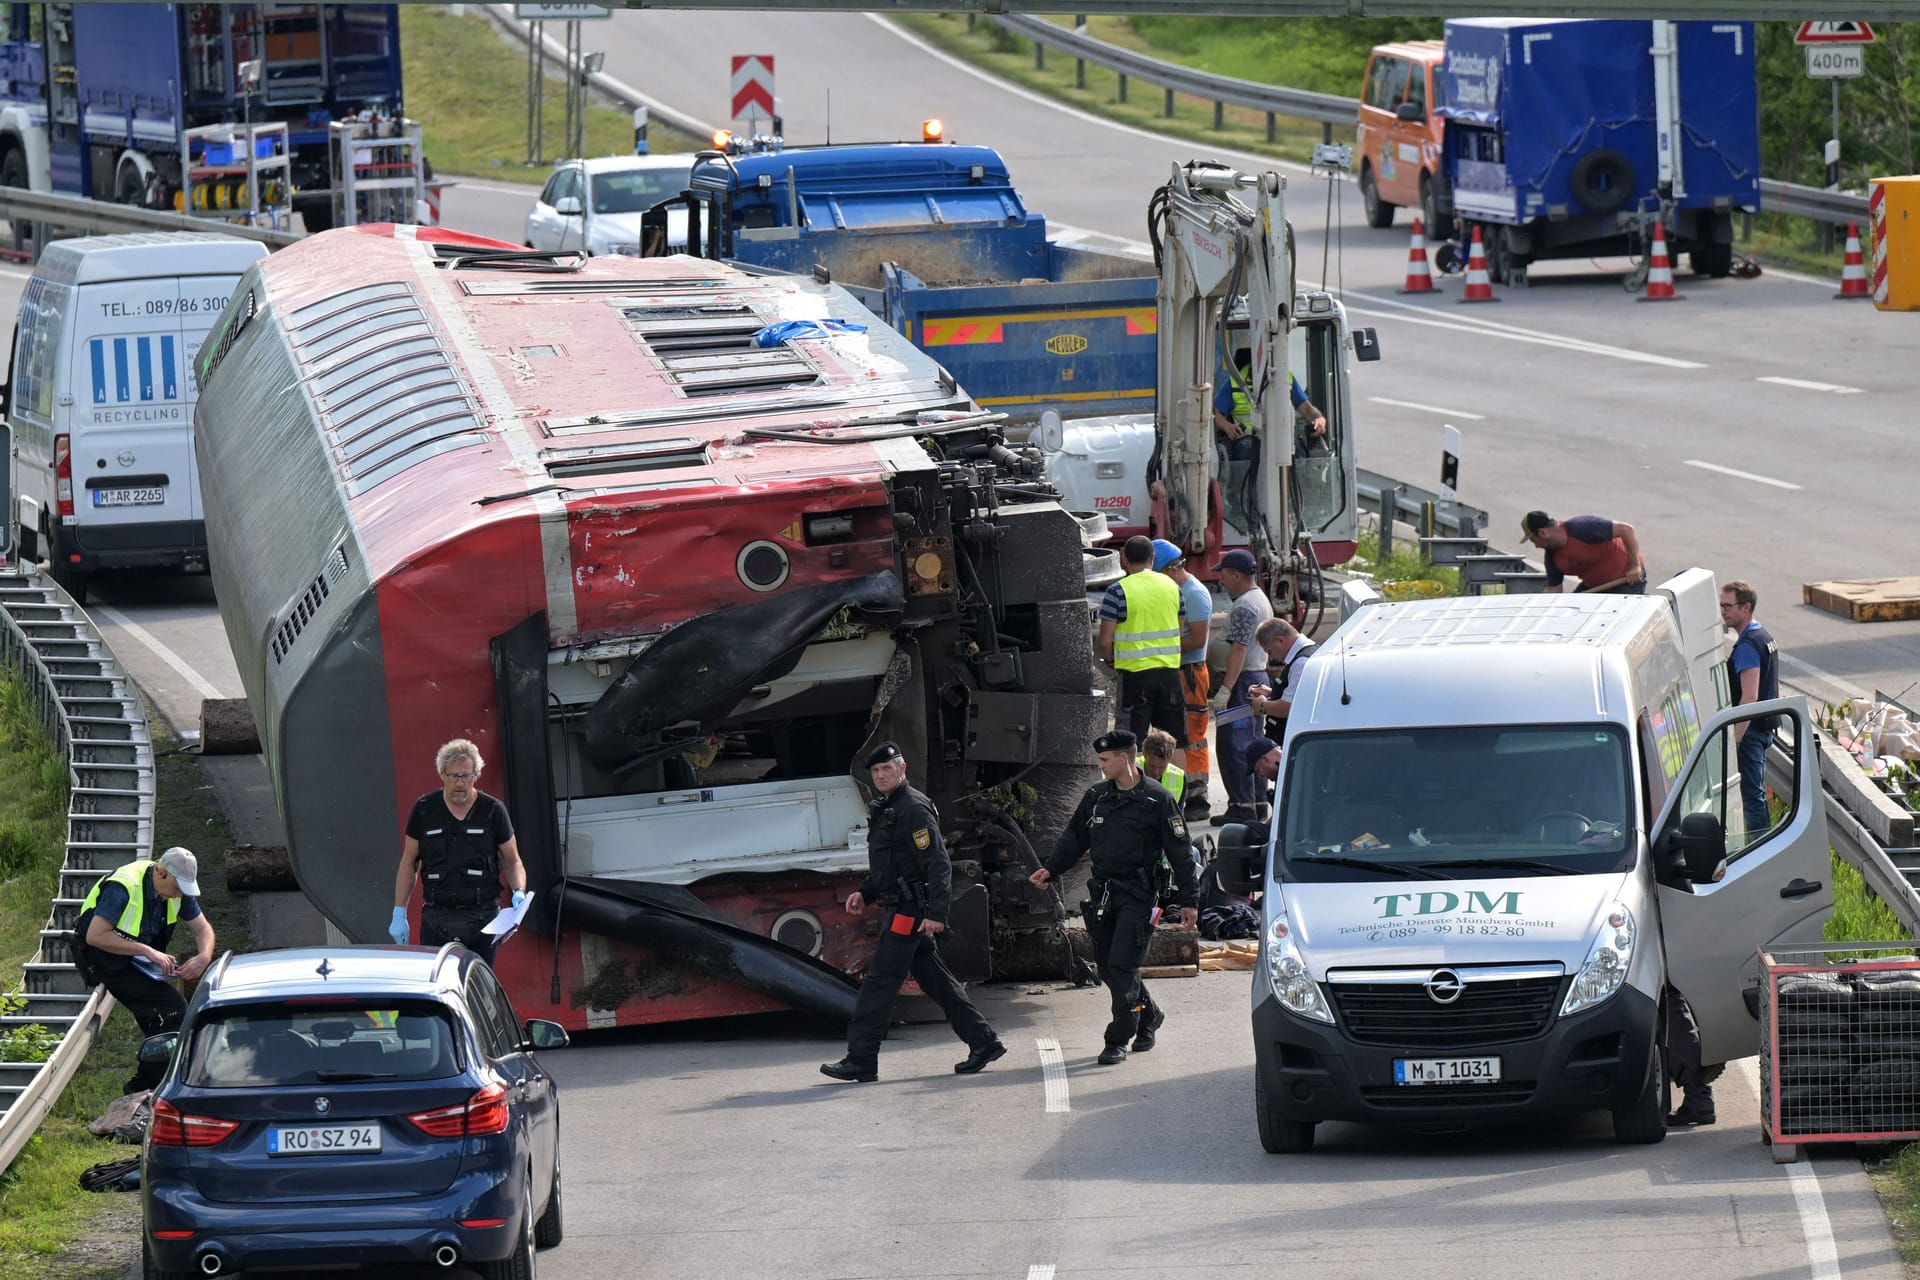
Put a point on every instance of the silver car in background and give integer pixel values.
(596, 204)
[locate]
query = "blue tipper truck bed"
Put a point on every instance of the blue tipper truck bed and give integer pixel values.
(935, 238)
(1553, 130)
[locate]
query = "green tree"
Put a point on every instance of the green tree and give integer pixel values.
(1878, 112)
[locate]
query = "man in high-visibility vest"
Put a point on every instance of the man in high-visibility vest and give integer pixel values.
(1142, 620)
(1156, 761)
(126, 922)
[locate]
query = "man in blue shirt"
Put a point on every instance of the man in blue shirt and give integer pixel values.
(1754, 676)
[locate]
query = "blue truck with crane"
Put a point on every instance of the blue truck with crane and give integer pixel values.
(96, 100)
(1570, 138)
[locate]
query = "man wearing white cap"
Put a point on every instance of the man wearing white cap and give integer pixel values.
(126, 922)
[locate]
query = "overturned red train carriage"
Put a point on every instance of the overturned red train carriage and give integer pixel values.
(674, 584)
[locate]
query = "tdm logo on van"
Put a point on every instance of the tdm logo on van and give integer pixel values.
(1440, 902)
(135, 370)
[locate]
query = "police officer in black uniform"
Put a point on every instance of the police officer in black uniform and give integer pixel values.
(911, 880)
(460, 842)
(1128, 824)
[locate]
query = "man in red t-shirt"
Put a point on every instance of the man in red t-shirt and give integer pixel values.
(1604, 554)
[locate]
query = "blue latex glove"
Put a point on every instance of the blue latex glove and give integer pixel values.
(397, 928)
(519, 896)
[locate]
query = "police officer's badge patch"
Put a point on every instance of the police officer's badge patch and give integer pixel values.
(922, 838)
(1178, 827)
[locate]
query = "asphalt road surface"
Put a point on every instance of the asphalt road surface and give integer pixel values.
(719, 1151)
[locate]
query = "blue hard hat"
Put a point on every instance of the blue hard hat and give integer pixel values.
(1165, 553)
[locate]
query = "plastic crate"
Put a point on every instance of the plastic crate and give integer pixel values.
(225, 153)
(1840, 1046)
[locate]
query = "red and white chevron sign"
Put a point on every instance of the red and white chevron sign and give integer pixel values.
(752, 87)
(1877, 216)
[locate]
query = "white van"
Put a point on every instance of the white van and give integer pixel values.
(1493, 849)
(101, 394)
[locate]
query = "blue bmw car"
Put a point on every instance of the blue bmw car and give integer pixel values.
(351, 1105)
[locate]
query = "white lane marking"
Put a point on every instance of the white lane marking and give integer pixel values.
(1068, 234)
(1825, 282)
(1009, 89)
(1740, 475)
(1839, 684)
(1040, 1271)
(199, 682)
(1823, 1259)
(18, 273)
(1429, 408)
(1053, 1074)
(1535, 337)
(1805, 385)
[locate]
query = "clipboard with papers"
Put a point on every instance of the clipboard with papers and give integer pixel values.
(508, 920)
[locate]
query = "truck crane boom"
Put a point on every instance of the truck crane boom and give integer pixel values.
(1219, 236)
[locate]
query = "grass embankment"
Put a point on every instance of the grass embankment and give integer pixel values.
(467, 85)
(1264, 53)
(1010, 57)
(1405, 575)
(42, 1210)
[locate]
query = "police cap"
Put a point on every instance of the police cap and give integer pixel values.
(1259, 749)
(884, 752)
(1118, 740)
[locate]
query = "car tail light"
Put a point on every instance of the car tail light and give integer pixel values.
(485, 1112)
(174, 1128)
(63, 474)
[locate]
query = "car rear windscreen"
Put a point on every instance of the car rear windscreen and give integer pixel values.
(334, 1044)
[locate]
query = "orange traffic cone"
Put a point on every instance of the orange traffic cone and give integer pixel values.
(1419, 272)
(1853, 276)
(1479, 285)
(1659, 270)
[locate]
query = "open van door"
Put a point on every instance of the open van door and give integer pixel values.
(1776, 889)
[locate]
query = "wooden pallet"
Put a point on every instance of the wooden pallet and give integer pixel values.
(1866, 599)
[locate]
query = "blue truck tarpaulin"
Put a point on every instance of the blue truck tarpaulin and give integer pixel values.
(1555, 91)
(779, 335)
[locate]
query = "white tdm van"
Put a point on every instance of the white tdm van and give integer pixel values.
(1493, 849)
(101, 394)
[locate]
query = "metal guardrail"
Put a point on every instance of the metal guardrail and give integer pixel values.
(1171, 78)
(1424, 509)
(1852, 840)
(1329, 109)
(89, 708)
(103, 217)
(1833, 207)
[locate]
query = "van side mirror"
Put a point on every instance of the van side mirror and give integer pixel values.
(1412, 112)
(567, 206)
(1695, 848)
(1240, 856)
(542, 1034)
(157, 1051)
(1366, 346)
